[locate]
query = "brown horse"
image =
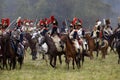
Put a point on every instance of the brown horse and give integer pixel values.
(70, 51)
(1, 51)
(92, 46)
(9, 52)
(52, 50)
(116, 35)
(32, 45)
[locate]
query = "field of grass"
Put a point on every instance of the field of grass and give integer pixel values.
(96, 69)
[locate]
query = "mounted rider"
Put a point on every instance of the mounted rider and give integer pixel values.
(96, 33)
(17, 37)
(43, 27)
(54, 25)
(73, 34)
(117, 30)
(81, 35)
(107, 31)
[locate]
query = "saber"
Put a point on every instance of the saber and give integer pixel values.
(66, 27)
(10, 25)
(35, 24)
(104, 23)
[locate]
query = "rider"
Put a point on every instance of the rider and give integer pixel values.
(96, 33)
(107, 30)
(81, 34)
(118, 28)
(43, 27)
(73, 32)
(54, 25)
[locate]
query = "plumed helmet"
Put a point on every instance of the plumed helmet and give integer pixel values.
(42, 22)
(75, 20)
(52, 18)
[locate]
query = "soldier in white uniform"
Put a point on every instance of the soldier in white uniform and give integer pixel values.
(96, 33)
(81, 34)
(107, 30)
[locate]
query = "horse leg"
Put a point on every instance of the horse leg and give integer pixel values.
(33, 55)
(83, 59)
(5, 63)
(73, 63)
(10, 62)
(20, 60)
(91, 54)
(60, 60)
(55, 57)
(43, 56)
(119, 58)
(1, 63)
(67, 61)
(97, 53)
(51, 59)
(77, 63)
(14, 63)
(103, 54)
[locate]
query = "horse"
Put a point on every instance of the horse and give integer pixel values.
(10, 54)
(32, 45)
(92, 47)
(71, 51)
(111, 42)
(1, 51)
(116, 36)
(52, 49)
(40, 49)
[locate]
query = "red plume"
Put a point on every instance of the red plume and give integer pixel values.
(52, 18)
(75, 20)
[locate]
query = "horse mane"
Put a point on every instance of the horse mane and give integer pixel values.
(87, 36)
(69, 39)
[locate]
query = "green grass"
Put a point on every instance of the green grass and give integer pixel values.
(97, 69)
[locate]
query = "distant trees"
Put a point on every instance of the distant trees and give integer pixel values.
(88, 10)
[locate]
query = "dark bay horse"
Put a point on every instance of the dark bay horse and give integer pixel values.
(32, 45)
(10, 55)
(1, 51)
(116, 35)
(92, 46)
(70, 51)
(52, 49)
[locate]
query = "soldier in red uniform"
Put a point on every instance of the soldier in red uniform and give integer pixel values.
(54, 25)
(44, 25)
(5, 23)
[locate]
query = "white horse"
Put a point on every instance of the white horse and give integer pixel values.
(40, 49)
